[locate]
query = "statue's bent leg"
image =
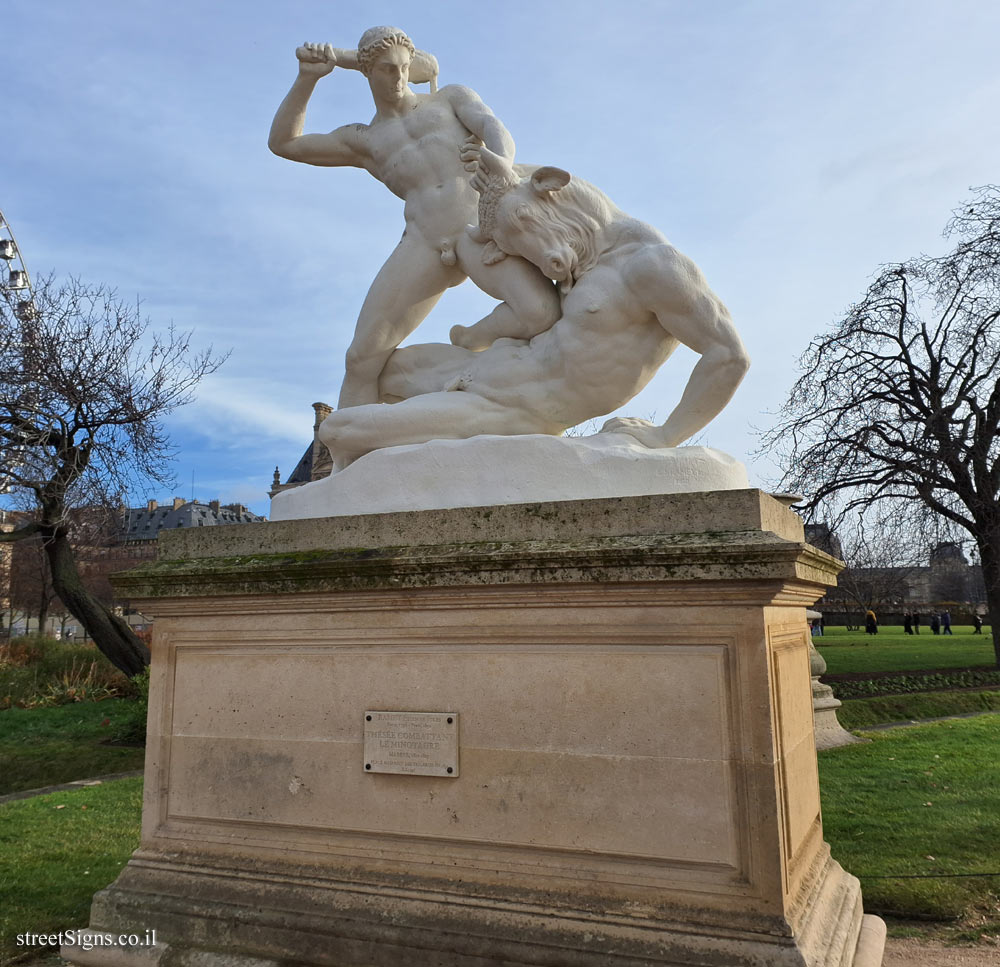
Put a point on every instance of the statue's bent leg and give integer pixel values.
(530, 301)
(457, 415)
(404, 291)
(424, 368)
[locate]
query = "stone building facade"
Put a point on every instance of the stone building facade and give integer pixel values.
(948, 580)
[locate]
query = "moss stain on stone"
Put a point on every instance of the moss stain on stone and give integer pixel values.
(710, 555)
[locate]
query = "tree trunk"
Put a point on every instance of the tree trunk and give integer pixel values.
(43, 617)
(989, 553)
(111, 634)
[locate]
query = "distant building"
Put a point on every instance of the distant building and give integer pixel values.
(145, 523)
(947, 580)
(821, 536)
(316, 462)
(103, 545)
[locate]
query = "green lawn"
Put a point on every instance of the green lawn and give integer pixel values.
(916, 802)
(57, 851)
(891, 650)
(46, 746)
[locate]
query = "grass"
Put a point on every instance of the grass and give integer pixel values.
(862, 713)
(913, 813)
(847, 652)
(58, 850)
(46, 746)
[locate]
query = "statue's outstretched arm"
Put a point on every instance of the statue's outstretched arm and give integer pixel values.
(674, 289)
(344, 146)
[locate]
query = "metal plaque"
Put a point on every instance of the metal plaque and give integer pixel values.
(412, 743)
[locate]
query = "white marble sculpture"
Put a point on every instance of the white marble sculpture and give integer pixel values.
(629, 298)
(413, 145)
(594, 301)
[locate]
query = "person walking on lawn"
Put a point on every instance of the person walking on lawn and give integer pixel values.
(946, 622)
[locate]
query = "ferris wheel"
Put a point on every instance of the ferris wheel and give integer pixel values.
(17, 292)
(15, 283)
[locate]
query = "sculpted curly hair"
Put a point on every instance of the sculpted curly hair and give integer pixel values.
(376, 41)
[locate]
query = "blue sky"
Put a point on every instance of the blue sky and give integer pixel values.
(790, 148)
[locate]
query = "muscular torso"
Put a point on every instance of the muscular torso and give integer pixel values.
(601, 353)
(417, 158)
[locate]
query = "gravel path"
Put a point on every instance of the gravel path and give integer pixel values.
(922, 953)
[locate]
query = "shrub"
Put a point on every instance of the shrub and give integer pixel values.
(130, 727)
(83, 681)
(25, 650)
(906, 684)
(38, 671)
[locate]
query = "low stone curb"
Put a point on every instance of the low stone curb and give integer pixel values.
(906, 723)
(76, 784)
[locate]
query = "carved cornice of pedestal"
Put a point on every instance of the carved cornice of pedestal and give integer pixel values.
(570, 545)
(741, 567)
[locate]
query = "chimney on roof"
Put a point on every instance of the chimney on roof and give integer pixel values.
(214, 504)
(151, 506)
(179, 502)
(322, 462)
(322, 410)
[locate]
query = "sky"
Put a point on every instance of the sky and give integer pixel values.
(789, 148)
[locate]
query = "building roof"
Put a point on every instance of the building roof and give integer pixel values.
(145, 523)
(303, 469)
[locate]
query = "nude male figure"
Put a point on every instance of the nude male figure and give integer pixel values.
(629, 299)
(418, 146)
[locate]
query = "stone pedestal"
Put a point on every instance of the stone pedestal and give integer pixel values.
(830, 734)
(637, 780)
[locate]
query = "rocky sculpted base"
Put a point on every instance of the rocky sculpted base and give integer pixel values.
(491, 470)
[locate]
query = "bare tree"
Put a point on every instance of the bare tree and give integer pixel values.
(84, 387)
(900, 402)
(882, 556)
(6, 614)
(31, 590)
